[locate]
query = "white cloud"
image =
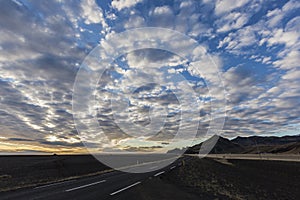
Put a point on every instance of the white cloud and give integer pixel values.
(92, 13)
(293, 25)
(266, 60)
(234, 20)
(239, 39)
(292, 75)
(223, 6)
(134, 21)
(290, 61)
(163, 10)
(122, 4)
(279, 36)
(162, 17)
(38, 67)
(275, 16)
(238, 17)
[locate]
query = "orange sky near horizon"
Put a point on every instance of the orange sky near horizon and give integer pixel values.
(15, 147)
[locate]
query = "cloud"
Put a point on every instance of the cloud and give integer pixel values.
(223, 7)
(255, 46)
(281, 37)
(20, 139)
(234, 20)
(276, 16)
(122, 4)
(241, 84)
(290, 61)
(162, 16)
(142, 149)
(92, 12)
(38, 69)
(134, 21)
(293, 25)
(234, 42)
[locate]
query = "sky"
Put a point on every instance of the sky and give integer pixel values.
(254, 45)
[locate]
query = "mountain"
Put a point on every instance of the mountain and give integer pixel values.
(223, 145)
(290, 148)
(248, 145)
(265, 140)
(177, 151)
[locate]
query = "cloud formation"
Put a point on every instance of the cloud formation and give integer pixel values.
(255, 45)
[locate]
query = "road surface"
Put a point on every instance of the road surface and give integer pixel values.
(111, 185)
(278, 157)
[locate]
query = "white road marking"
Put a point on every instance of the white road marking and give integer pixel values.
(84, 186)
(173, 167)
(121, 190)
(153, 167)
(159, 173)
(52, 184)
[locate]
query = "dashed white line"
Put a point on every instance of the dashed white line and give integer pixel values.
(121, 190)
(53, 184)
(84, 186)
(173, 167)
(159, 173)
(153, 167)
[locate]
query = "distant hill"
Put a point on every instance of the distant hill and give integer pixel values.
(265, 140)
(253, 144)
(177, 151)
(223, 145)
(290, 148)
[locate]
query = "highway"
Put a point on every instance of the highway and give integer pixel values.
(115, 184)
(111, 185)
(275, 157)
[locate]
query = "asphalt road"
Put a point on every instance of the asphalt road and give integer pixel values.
(278, 157)
(111, 185)
(114, 185)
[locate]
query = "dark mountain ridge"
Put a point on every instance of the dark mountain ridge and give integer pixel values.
(249, 145)
(265, 140)
(223, 145)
